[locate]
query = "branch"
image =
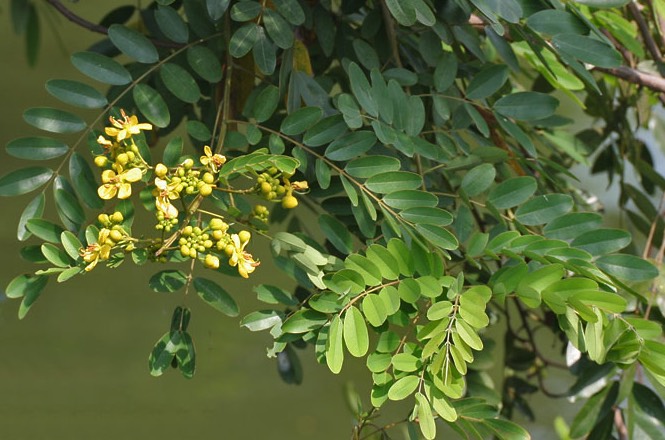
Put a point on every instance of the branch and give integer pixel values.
(644, 30)
(390, 31)
(655, 83)
(71, 16)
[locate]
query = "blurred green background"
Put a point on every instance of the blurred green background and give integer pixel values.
(77, 366)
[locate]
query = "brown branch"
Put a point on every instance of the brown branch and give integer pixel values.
(71, 16)
(644, 30)
(655, 83)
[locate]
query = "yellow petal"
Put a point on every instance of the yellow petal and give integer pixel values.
(107, 176)
(133, 175)
(111, 131)
(125, 191)
(107, 191)
(207, 150)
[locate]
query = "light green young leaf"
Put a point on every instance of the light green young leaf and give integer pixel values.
(356, 337)
(334, 345)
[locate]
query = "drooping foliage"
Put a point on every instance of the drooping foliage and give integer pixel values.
(427, 148)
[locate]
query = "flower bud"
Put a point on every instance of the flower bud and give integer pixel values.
(289, 202)
(161, 170)
(211, 261)
(101, 161)
(244, 236)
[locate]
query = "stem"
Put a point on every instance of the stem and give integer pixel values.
(80, 21)
(644, 30)
(390, 32)
(655, 83)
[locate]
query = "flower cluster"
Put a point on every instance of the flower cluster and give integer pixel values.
(178, 192)
(122, 161)
(271, 184)
(111, 235)
(194, 242)
(172, 184)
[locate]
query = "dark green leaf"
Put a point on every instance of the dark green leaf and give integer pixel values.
(54, 120)
(84, 181)
(392, 181)
(278, 29)
(324, 131)
(171, 24)
(216, 296)
(32, 290)
(101, 68)
(602, 241)
(554, 21)
(362, 90)
(351, 145)
(243, 40)
(588, 50)
(527, 106)
(300, 120)
(69, 205)
(36, 148)
(76, 93)
(487, 81)
(368, 166)
(571, 225)
(627, 267)
(403, 10)
(406, 199)
(172, 152)
(34, 209)
(266, 103)
(152, 105)
(180, 83)
(291, 10)
(513, 192)
(507, 430)
(543, 209)
(478, 179)
(167, 281)
(245, 11)
(217, 8)
(133, 44)
(24, 180)
(427, 216)
(204, 62)
(438, 236)
(265, 53)
(337, 233)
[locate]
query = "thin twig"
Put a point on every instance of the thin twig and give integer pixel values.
(390, 31)
(76, 19)
(644, 30)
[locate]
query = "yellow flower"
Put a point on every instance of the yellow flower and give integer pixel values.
(166, 193)
(214, 161)
(119, 184)
(96, 252)
(239, 257)
(126, 127)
